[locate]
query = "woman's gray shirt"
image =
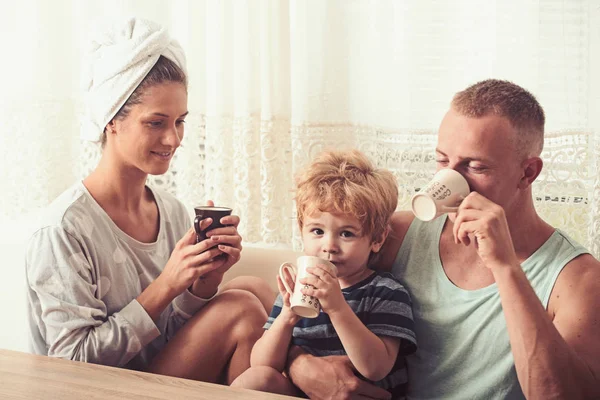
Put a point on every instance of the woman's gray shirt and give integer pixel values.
(83, 277)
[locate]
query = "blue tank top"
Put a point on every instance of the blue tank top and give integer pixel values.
(464, 350)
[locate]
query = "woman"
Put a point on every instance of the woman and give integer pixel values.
(115, 275)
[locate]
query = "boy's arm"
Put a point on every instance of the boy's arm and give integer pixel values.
(372, 356)
(390, 313)
(272, 348)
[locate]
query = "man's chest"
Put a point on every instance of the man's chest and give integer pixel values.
(462, 265)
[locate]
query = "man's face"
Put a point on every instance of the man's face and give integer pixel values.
(483, 150)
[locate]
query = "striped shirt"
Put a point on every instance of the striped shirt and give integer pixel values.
(383, 306)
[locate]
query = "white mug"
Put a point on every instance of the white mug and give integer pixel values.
(301, 304)
(441, 195)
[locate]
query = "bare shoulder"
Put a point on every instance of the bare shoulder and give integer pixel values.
(574, 306)
(400, 223)
(578, 280)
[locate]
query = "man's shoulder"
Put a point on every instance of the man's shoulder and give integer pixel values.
(400, 222)
(578, 280)
(570, 256)
(574, 305)
(577, 273)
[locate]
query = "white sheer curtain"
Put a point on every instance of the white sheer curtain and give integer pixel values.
(273, 82)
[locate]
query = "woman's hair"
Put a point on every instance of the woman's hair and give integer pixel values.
(505, 99)
(347, 182)
(164, 70)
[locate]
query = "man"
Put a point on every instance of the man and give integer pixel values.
(505, 305)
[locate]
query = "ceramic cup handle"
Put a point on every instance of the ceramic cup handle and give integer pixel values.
(292, 271)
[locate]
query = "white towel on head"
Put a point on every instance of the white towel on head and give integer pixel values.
(116, 63)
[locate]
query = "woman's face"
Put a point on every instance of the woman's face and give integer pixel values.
(147, 138)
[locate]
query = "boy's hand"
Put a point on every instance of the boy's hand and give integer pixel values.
(326, 288)
(286, 312)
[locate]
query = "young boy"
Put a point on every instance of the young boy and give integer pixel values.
(344, 206)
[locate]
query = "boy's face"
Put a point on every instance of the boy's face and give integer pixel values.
(338, 238)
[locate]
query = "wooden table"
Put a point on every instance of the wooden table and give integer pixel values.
(28, 376)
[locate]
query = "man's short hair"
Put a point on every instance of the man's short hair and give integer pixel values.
(347, 182)
(505, 99)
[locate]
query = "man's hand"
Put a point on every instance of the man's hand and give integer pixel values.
(481, 219)
(330, 378)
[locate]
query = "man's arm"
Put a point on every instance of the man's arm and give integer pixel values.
(329, 378)
(560, 357)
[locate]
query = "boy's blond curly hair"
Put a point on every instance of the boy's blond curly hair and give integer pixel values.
(347, 182)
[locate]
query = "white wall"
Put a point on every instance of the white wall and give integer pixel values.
(13, 326)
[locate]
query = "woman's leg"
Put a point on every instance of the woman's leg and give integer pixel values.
(256, 286)
(266, 379)
(215, 344)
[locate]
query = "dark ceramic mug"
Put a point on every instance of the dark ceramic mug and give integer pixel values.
(215, 213)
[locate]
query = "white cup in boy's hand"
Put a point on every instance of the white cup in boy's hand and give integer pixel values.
(443, 194)
(301, 304)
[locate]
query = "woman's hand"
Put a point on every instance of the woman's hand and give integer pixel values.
(229, 243)
(189, 260)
